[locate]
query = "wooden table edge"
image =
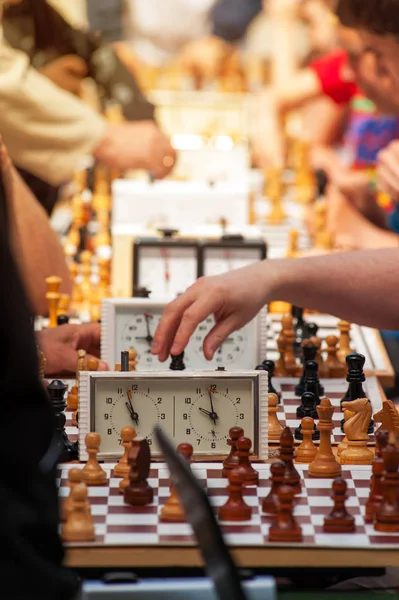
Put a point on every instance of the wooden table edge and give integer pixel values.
(254, 557)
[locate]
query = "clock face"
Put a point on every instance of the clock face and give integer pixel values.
(196, 410)
(136, 331)
(131, 324)
(167, 271)
(221, 260)
(239, 348)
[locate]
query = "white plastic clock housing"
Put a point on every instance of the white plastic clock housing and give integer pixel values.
(198, 408)
(131, 322)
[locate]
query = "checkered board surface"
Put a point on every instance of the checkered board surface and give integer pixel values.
(119, 524)
(364, 340)
(335, 390)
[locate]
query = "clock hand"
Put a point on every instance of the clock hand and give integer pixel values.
(213, 415)
(148, 338)
(133, 415)
(205, 412)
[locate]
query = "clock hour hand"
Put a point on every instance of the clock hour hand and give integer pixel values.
(205, 412)
(129, 405)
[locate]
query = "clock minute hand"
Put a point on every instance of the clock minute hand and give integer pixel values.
(129, 405)
(213, 415)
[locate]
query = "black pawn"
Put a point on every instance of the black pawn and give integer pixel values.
(312, 383)
(309, 352)
(177, 363)
(269, 366)
(307, 409)
(311, 330)
(62, 320)
(300, 329)
(67, 450)
(355, 377)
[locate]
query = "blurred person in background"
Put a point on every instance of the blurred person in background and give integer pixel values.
(49, 130)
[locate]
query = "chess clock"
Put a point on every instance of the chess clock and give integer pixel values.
(230, 252)
(198, 408)
(166, 265)
(128, 323)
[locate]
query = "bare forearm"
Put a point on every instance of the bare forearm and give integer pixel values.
(360, 287)
(36, 246)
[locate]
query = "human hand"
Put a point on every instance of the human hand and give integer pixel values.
(60, 346)
(388, 170)
(67, 72)
(139, 145)
(205, 58)
(234, 299)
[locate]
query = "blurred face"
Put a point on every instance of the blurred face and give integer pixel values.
(385, 53)
(363, 67)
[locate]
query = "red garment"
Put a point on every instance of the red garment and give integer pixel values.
(330, 72)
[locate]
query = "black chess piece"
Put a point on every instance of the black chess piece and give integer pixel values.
(307, 408)
(62, 319)
(321, 182)
(125, 360)
(177, 363)
(312, 383)
(300, 328)
(355, 377)
(67, 450)
(309, 352)
(311, 330)
(269, 366)
(141, 292)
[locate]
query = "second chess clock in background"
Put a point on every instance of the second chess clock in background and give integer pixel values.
(129, 324)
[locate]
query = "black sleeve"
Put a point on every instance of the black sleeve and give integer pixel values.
(231, 18)
(31, 551)
(115, 81)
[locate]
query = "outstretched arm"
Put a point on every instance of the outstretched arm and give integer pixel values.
(359, 287)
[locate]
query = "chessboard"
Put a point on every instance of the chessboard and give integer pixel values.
(364, 340)
(334, 390)
(135, 535)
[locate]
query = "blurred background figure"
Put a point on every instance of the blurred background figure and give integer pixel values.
(80, 64)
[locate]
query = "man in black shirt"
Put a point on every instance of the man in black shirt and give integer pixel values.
(31, 551)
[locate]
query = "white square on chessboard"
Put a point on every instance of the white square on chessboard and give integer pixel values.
(342, 539)
(132, 539)
(100, 529)
(183, 529)
(247, 539)
(100, 491)
(132, 519)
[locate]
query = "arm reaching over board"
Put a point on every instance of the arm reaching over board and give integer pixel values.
(357, 286)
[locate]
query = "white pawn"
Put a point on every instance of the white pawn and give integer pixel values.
(92, 472)
(122, 468)
(79, 526)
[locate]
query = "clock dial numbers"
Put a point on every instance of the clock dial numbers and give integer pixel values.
(209, 409)
(121, 403)
(137, 332)
(229, 353)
